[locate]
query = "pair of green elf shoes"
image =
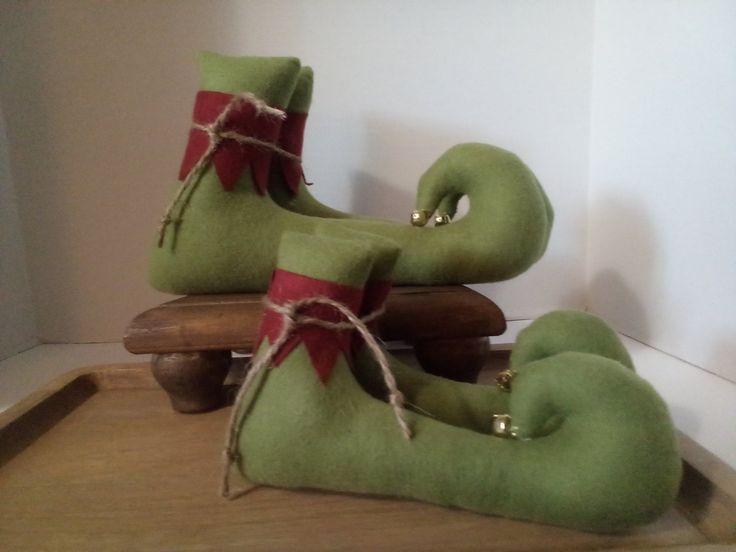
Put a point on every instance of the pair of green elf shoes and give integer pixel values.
(570, 436)
(243, 187)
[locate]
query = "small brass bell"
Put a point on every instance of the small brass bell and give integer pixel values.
(440, 219)
(419, 217)
(501, 426)
(504, 378)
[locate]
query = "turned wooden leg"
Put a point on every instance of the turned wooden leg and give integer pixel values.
(459, 359)
(193, 381)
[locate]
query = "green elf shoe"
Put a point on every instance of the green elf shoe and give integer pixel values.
(305, 422)
(221, 232)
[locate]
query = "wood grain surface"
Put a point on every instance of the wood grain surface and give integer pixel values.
(110, 467)
(230, 322)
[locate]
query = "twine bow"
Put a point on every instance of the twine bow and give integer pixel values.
(292, 320)
(216, 134)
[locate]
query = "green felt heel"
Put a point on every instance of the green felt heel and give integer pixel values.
(226, 241)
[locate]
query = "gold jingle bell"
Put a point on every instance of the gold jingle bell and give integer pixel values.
(501, 426)
(440, 219)
(504, 379)
(420, 217)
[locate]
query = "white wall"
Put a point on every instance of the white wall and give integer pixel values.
(662, 233)
(96, 122)
(703, 406)
(98, 98)
(662, 250)
(17, 325)
(397, 83)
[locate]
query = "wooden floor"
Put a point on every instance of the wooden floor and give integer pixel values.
(119, 470)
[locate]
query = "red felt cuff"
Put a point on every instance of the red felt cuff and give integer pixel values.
(322, 344)
(292, 140)
(231, 158)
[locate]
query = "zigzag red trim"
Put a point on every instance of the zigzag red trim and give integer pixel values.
(292, 140)
(323, 345)
(231, 158)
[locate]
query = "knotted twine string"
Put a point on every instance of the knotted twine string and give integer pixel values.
(292, 319)
(216, 135)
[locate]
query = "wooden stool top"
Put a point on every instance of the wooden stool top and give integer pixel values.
(230, 322)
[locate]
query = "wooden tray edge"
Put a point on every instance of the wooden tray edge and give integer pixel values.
(708, 492)
(31, 417)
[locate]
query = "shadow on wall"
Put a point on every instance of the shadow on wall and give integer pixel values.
(615, 301)
(624, 263)
(380, 197)
(97, 122)
(723, 358)
(532, 290)
(401, 152)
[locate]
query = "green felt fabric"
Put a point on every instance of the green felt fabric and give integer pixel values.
(565, 330)
(385, 251)
(227, 241)
(346, 262)
(304, 202)
(455, 403)
(467, 405)
(271, 79)
(301, 99)
(612, 463)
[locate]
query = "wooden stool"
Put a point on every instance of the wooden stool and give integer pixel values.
(192, 338)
